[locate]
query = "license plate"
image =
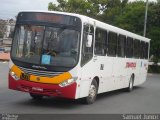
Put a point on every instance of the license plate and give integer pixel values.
(25, 76)
(37, 89)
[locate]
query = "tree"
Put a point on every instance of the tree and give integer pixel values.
(153, 31)
(91, 8)
(132, 18)
(86, 7)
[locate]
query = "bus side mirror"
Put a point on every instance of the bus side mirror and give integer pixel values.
(89, 41)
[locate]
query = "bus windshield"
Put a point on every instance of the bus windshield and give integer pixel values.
(46, 45)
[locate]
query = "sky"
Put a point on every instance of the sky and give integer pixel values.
(10, 8)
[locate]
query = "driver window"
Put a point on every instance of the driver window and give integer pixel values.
(87, 52)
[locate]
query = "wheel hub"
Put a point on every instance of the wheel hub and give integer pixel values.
(92, 91)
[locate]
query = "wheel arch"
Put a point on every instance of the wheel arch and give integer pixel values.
(133, 76)
(97, 80)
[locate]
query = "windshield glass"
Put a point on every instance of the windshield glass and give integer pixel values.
(54, 46)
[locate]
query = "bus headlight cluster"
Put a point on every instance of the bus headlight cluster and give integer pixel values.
(67, 82)
(13, 74)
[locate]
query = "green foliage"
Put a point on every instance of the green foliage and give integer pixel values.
(91, 8)
(154, 35)
(133, 17)
(85, 7)
(52, 7)
(154, 69)
(153, 31)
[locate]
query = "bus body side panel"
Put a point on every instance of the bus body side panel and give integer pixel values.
(107, 82)
(120, 72)
(130, 66)
(137, 72)
(86, 76)
(99, 67)
(143, 71)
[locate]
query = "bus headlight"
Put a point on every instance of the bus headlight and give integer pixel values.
(13, 74)
(68, 82)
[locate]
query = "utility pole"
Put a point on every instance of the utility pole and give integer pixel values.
(145, 19)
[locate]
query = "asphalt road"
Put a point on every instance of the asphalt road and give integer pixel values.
(144, 99)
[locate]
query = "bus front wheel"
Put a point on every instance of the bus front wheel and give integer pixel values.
(92, 93)
(36, 96)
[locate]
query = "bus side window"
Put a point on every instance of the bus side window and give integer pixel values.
(142, 50)
(139, 48)
(87, 52)
(112, 44)
(129, 47)
(136, 52)
(100, 42)
(146, 50)
(121, 46)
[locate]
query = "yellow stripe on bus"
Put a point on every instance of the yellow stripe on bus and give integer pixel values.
(50, 80)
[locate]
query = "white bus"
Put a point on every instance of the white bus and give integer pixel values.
(73, 56)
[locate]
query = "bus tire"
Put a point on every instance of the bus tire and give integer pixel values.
(90, 99)
(131, 83)
(36, 96)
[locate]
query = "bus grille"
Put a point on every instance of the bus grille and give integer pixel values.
(40, 72)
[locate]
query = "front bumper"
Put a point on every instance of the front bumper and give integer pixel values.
(43, 89)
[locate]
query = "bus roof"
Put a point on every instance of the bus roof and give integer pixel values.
(98, 24)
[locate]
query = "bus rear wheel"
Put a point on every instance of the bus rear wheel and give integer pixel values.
(90, 99)
(131, 83)
(36, 96)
